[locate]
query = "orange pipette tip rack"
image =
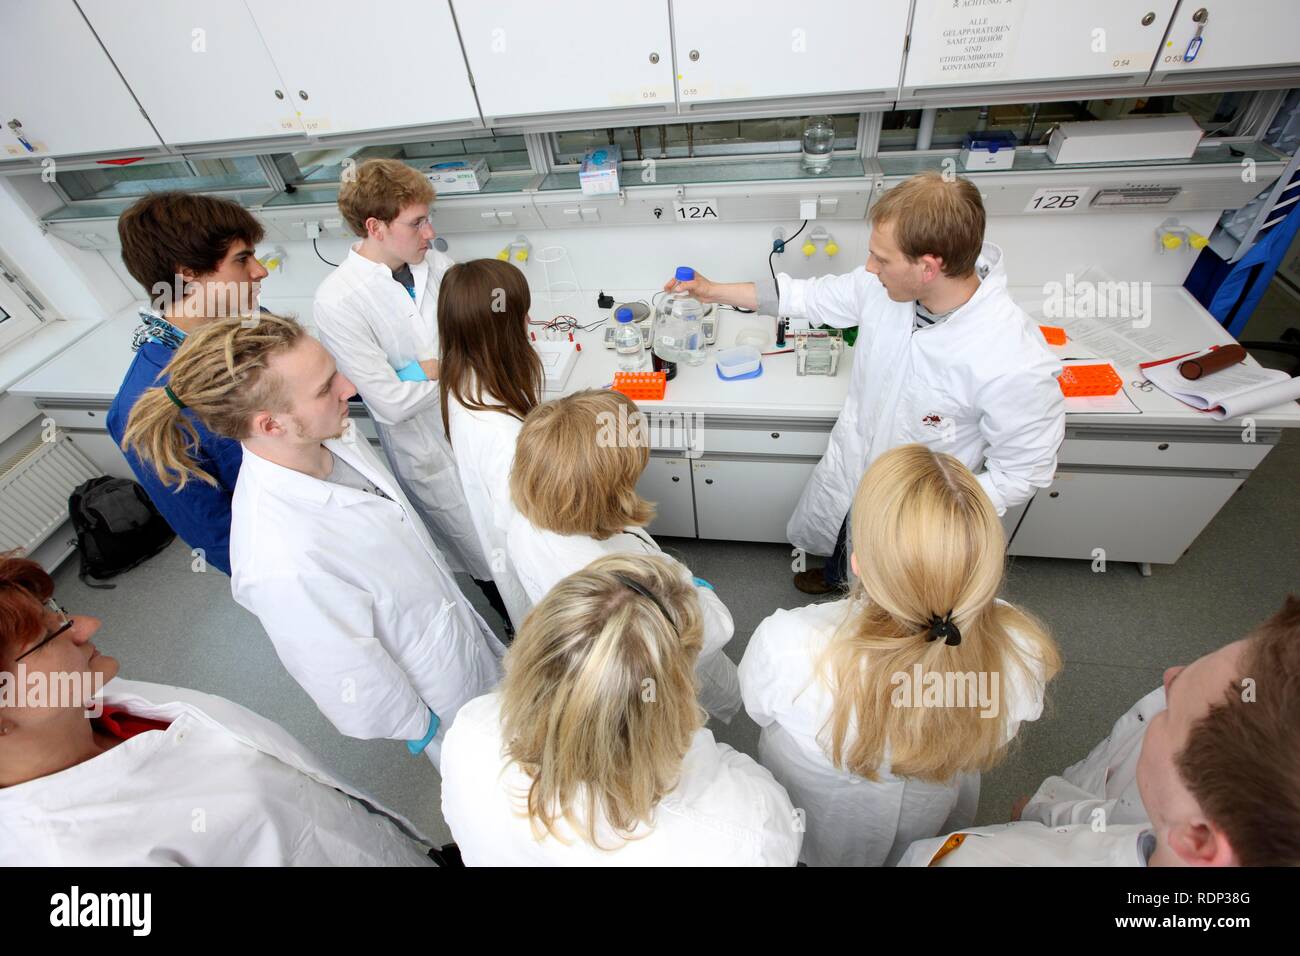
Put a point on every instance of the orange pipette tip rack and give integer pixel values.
(641, 385)
(1054, 334)
(1089, 381)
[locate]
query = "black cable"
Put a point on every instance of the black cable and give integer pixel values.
(784, 243)
(320, 257)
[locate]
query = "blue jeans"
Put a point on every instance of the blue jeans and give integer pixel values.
(836, 570)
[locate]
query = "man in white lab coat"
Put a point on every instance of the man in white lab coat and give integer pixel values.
(149, 775)
(325, 548)
(377, 315)
(943, 357)
(1201, 772)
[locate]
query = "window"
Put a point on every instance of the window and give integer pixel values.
(719, 139)
(325, 166)
(1220, 114)
(192, 175)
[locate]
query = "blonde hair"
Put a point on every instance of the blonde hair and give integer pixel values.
(577, 462)
(599, 699)
(381, 189)
(219, 373)
(934, 216)
(928, 542)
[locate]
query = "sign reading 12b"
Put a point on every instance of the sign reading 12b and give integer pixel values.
(696, 210)
(1059, 199)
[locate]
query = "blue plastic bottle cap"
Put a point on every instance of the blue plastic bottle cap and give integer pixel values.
(685, 273)
(624, 314)
(598, 156)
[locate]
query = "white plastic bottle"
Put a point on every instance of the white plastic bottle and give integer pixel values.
(628, 343)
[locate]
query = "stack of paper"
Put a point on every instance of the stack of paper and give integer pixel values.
(1228, 393)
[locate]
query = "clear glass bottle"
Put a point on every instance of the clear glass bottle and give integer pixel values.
(818, 144)
(627, 342)
(679, 329)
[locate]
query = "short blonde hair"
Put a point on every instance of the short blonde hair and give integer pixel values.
(929, 545)
(600, 700)
(381, 189)
(577, 462)
(934, 216)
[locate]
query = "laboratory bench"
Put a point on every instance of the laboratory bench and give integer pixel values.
(730, 458)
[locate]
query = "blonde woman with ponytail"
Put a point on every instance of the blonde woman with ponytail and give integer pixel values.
(325, 548)
(594, 752)
(880, 710)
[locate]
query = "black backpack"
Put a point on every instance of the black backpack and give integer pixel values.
(117, 527)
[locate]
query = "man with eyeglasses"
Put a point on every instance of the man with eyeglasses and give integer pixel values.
(139, 774)
(377, 313)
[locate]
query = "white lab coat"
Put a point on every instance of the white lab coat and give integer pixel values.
(221, 786)
(484, 445)
(371, 327)
(980, 386)
(543, 557)
(851, 821)
(357, 600)
(1032, 844)
(1102, 787)
(725, 810)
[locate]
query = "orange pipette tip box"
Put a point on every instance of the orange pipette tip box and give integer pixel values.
(641, 385)
(1089, 381)
(1054, 334)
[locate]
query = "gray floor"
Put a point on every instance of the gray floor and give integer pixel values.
(1117, 631)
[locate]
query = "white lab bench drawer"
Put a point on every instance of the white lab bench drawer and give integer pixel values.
(80, 418)
(1156, 453)
(1149, 517)
(786, 442)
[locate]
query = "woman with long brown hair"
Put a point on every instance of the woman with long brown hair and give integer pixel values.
(490, 379)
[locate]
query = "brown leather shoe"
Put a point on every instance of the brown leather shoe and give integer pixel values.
(812, 582)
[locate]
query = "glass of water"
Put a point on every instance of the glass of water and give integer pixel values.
(818, 142)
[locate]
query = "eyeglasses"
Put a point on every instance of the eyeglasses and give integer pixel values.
(66, 623)
(417, 225)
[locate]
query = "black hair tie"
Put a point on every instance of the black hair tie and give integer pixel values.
(943, 627)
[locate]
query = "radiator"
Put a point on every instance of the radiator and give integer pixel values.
(34, 489)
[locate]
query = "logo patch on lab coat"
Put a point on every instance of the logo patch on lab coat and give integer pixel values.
(936, 421)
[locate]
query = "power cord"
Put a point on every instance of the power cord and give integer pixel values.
(320, 257)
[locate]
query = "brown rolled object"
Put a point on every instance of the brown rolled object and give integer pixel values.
(1217, 360)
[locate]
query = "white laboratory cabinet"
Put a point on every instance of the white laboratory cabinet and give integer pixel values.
(199, 68)
(1000, 52)
(534, 62)
(396, 64)
(666, 481)
(741, 499)
(839, 53)
(60, 88)
(215, 70)
(1240, 38)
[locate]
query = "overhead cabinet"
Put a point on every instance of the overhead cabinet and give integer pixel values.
(977, 53)
(1217, 43)
(834, 54)
(536, 64)
(214, 70)
(58, 91)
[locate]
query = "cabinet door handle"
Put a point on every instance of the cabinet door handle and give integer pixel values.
(1163, 446)
(694, 55)
(708, 481)
(302, 94)
(279, 94)
(1053, 494)
(776, 434)
(654, 57)
(677, 478)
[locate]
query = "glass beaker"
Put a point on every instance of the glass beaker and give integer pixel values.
(818, 144)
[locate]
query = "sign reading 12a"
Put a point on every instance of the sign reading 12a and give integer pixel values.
(696, 210)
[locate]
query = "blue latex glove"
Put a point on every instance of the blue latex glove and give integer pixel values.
(417, 747)
(412, 372)
(701, 583)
